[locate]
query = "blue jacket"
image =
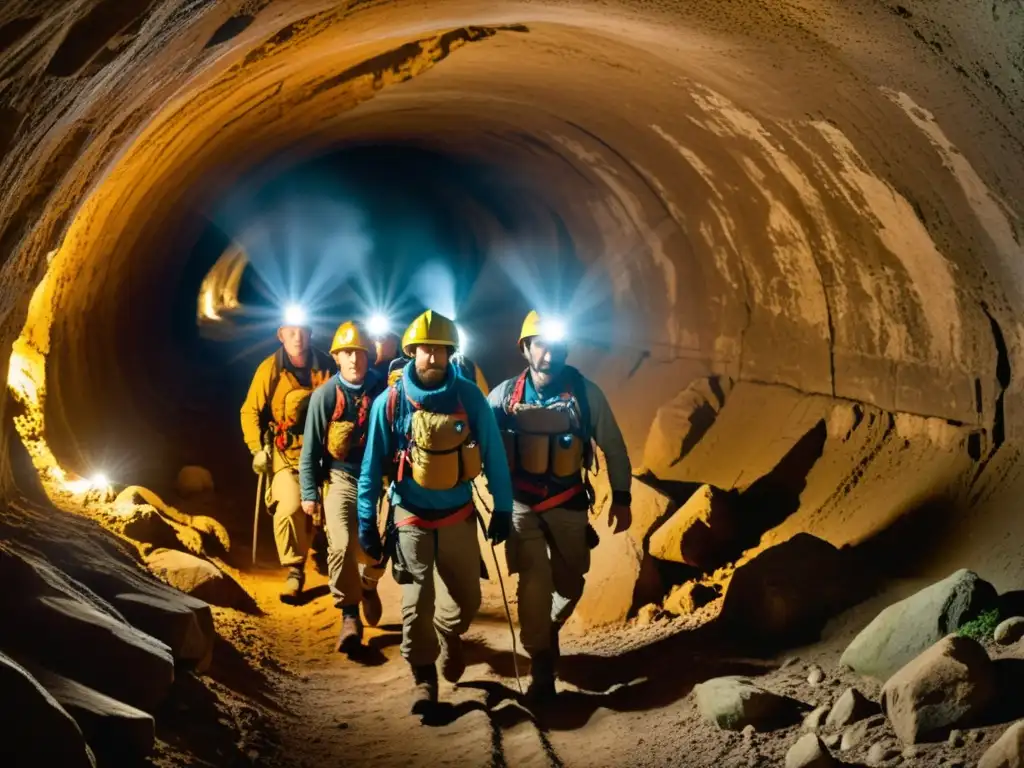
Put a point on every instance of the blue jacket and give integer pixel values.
(314, 462)
(382, 441)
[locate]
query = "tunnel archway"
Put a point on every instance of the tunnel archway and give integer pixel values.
(789, 203)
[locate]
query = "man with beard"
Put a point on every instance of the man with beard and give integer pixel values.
(332, 453)
(273, 420)
(437, 429)
(549, 415)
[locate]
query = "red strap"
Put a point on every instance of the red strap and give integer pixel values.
(518, 391)
(558, 499)
(340, 403)
(455, 517)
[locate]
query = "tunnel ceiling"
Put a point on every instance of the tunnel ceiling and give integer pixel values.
(822, 197)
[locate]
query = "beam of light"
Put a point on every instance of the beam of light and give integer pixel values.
(294, 314)
(379, 325)
(434, 285)
(554, 329)
(463, 339)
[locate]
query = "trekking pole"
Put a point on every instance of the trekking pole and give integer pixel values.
(504, 596)
(256, 515)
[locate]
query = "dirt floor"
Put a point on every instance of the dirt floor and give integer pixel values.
(625, 696)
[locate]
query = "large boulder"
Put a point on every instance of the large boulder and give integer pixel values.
(145, 525)
(1007, 751)
(733, 703)
(950, 685)
(789, 591)
(114, 730)
(197, 577)
(618, 566)
(35, 729)
(1009, 631)
(906, 629)
(699, 533)
(681, 423)
(184, 624)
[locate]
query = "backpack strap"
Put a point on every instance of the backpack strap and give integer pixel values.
(518, 392)
(340, 403)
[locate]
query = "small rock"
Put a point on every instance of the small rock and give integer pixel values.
(857, 732)
(816, 675)
(1009, 631)
(831, 740)
(813, 721)
(748, 732)
(194, 480)
(809, 752)
(732, 703)
(1008, 750)
(950, 684)
(956, 738)
(690, 597)
(912, 752)
(197, 577)
(880, 754)
(789, 662)
(850, 707)
(646, 615)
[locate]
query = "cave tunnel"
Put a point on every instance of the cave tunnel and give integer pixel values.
(788, 240)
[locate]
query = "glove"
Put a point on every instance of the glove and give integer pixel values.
(369, 540)
(499, 527)
(260, 460)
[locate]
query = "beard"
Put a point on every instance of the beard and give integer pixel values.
(430, 376)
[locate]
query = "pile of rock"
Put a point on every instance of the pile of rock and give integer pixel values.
(934, 683)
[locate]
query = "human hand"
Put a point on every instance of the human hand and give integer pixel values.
(369, 540)
(260, 461)
(499, 527)
(620, 517)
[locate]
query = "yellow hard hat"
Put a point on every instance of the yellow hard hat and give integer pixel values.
(350, 335)
(430, 328)
(552, 328)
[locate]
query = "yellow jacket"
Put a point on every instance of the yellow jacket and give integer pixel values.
(255, 413)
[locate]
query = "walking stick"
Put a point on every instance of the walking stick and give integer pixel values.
(504, 596)
(256, 515)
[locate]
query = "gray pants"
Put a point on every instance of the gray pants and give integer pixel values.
(444, 593)
(348, 569)
(551, 576)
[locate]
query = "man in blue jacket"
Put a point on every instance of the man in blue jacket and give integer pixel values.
(549, 415)
(436, 428)
(332, 454)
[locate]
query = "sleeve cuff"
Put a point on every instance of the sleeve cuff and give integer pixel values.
(623, 498)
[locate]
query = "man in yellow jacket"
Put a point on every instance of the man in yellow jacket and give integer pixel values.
(273, 419)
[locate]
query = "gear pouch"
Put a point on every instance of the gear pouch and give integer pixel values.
(566, 455)
(339, 437)
(435, 452)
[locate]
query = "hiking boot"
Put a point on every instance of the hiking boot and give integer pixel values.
(424, 694)
(542, 684)
(372, 609)
(350, 639)
(292, 589)
(319, 557)
(453, 663)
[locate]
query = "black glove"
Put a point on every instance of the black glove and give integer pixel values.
(369, 540)
(499, 527)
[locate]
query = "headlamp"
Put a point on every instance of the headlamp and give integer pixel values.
(553, 329)
(379, 326)
(295, 315)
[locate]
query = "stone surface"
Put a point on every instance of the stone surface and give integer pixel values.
(881, 753)
(809, 752)
(789, 591)
(38, 731)
(112, 728)
(850, 708)
(184, 625)
(815, 675)
(617, 567)
(681, 423)
(699, 533)
(144, 524)
(813, 721)
(732, 703)
(950, 685)
(1009, 631)
(197, 577)
(690, 597)
(1007, 751)
(905, 629)
(859, 731)
(193, 480)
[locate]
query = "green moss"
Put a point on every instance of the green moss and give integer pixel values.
(981, 628)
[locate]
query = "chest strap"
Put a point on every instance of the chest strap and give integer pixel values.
(455, 517)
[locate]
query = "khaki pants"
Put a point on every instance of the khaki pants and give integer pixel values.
(443, 567)
(291, 525)
(551, 576)
(348, 571)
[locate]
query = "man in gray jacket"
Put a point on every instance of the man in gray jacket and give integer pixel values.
(549, 415)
